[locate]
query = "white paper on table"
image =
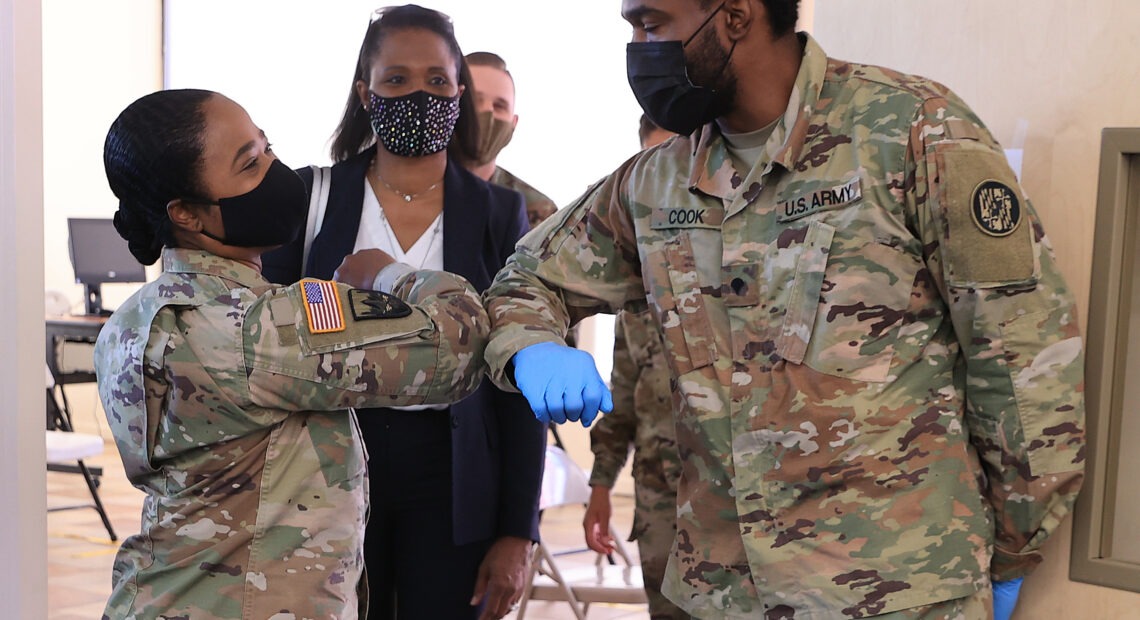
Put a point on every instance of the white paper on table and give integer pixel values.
(1013, 156)
(1017, 146)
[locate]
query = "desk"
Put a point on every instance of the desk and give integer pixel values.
(69, 349)
(69, 345)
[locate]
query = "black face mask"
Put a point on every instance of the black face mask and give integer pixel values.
(659, 77)
(271, 214)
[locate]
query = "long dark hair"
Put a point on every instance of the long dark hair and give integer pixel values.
(354, 133)
(152, 155)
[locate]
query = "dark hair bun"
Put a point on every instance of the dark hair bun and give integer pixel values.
(143, 240)
(151, 157)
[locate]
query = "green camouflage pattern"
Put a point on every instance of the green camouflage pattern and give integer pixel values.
(880, 394)
(538, 205)
(538, 208)
(234, 420)
(977, 606)
(642, 417)
(655, 529)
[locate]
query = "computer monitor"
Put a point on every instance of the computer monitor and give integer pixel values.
(98, 255)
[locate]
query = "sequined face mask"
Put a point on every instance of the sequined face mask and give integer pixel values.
(413, 125)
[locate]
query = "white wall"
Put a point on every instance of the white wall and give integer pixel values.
(23, 573)
(578, 118)
(98, 57)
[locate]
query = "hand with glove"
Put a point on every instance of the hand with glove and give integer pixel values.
(561, 383)
(1005, 597)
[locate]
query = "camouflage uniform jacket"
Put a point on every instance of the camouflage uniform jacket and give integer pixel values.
(233, 418)
(538, 205)
(538, 208)
(879, 368)
(642, 416)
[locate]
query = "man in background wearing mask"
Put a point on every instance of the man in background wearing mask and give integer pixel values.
(876, 365)
(495, 103)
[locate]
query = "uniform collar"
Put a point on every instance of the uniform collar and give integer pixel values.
(712, 172)
(179, 260)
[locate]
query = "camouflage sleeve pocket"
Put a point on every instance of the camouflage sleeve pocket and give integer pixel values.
(356, 332)
(279, 341)
(1046, 361)
(986, 226)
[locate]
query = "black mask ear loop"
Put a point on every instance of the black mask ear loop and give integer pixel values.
(204, 202)
(732, 49)
(728, 58)
(702, 26)
(207, 233)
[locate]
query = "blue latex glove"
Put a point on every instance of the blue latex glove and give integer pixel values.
(1005, 598)
(561, 383)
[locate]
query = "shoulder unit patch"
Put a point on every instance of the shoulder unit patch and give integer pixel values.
(996, 208)
(369, 305)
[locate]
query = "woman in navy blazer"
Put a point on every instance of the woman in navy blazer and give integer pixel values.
(454, 493)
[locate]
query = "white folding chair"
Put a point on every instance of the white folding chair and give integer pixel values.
(565, 484)
(65, 446)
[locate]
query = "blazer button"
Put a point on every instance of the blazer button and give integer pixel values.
(454, 421)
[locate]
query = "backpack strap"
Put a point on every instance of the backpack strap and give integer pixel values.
(318, 202)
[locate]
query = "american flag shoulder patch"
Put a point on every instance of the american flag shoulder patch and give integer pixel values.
(322, 306)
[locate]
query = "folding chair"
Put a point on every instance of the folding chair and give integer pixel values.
(64, 445)
(564, 484)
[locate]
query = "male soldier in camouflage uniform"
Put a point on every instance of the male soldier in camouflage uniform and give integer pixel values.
(642, 417)
(877, 366)
(495, 102)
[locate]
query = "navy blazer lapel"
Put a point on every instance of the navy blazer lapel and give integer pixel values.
(342, 216)
(465, 213)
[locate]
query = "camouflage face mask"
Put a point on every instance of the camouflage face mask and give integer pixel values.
(494, 134)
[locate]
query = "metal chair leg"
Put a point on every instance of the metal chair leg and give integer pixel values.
(98, 503)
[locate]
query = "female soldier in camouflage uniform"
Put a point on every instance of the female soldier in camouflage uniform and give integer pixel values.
(230, 398)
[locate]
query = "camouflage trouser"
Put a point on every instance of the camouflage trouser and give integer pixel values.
(654, 527)
(979, 606)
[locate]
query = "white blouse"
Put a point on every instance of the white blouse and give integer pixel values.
(425, 253)
(375, 232)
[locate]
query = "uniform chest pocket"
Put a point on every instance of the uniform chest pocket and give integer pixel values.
(861, 303)
(675, 289)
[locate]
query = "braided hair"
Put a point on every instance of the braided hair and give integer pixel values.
(152, 155)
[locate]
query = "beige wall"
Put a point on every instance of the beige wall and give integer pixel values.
(23, 572)
(1068, 67)
(98, 57)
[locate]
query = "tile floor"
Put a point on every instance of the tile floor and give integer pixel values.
(80, 555)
